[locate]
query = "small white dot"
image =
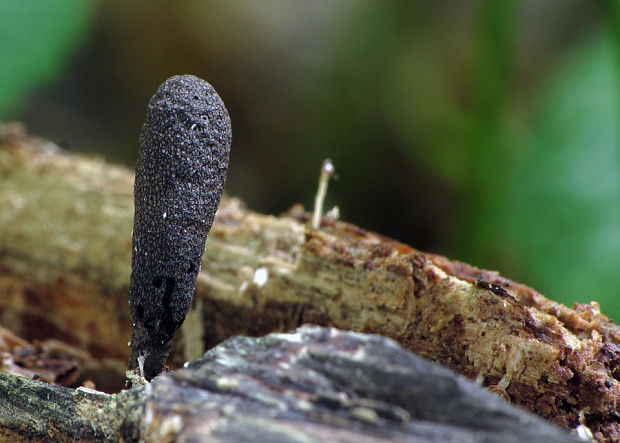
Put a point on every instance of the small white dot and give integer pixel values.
(260, 277)
(165, 214)
(328, 166)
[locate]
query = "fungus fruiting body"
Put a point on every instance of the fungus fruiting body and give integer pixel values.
(180, 176)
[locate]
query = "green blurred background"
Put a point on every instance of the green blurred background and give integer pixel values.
(487, 131)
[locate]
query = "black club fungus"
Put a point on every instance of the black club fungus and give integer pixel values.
(180, 175)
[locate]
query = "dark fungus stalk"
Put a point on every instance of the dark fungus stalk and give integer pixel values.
(180, 175)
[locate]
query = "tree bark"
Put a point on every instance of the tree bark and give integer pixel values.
(65, 252)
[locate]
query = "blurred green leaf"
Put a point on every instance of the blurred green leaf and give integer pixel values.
(562, 199)
(37, 37)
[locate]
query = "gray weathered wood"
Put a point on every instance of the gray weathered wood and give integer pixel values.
(314, 384)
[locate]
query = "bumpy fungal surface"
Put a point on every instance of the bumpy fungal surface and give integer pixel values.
(180, 176)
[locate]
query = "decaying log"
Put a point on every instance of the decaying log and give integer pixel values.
(315, 384)
(65, 239)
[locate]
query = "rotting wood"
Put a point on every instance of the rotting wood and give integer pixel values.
(65, 241)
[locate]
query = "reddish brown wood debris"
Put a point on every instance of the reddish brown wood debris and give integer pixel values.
(50, 361)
